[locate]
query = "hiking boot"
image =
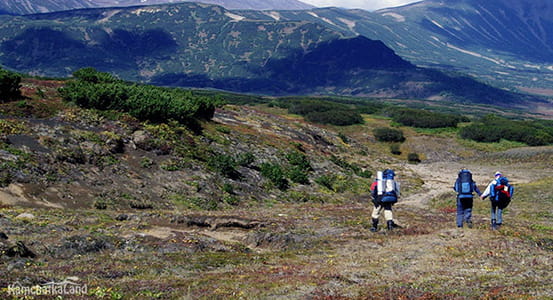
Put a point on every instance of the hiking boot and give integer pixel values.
(374, 228)
(469, 224)
(391, 225)
(494, 225)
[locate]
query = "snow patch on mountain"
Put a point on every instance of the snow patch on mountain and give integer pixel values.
(273, 14)
(322, 18)
(234, 17)
(396, 16)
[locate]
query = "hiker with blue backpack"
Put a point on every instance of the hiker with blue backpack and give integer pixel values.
(465, 187)
(385, 193)
(500, 193)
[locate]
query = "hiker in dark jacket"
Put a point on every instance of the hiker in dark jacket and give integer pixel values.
(465, 187)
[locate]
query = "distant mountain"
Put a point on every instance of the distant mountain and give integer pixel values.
(505, 42)
(25, 7)
(200, 45)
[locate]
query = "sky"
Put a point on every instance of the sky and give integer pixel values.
(363, 4)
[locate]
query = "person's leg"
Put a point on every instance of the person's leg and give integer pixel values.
(499, 216)
(375, 215)
(493, 215)
(467, 206)
(388, 215)
(460, 212)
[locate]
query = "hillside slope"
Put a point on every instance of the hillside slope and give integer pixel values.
(136, 210)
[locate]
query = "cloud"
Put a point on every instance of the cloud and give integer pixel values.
(363, 4)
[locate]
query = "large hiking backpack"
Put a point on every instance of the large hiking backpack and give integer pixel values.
(464, 184)
(502, 192)
(388, 187)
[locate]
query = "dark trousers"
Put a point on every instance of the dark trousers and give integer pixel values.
(464, 210)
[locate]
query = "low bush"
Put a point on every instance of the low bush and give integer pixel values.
(385, 134)
(395, 149)
(325, 112)
(275, 174)
(9, 85)
(492, 128)
(425, 119)
(224, 165)
(92, 89)
(413, 158)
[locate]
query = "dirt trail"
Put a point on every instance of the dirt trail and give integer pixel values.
(439, 177)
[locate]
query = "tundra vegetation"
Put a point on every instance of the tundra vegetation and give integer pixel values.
(224, 200)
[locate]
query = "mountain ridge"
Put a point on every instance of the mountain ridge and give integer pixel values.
(25, 7)
(200, 45)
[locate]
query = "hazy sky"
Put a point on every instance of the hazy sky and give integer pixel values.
(364, 4)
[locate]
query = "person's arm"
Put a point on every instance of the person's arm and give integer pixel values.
(476, 189)
(455, 186)
(486, 192)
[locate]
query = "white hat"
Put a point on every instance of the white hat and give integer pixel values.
(497, 174)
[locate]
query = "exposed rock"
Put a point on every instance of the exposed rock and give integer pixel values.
(142, 140)
(25, 216)
(122, 217)
(83, 244)
(217, 222)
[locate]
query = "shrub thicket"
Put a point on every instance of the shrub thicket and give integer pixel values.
(93, 89)
(385, 134)
(10, 85)
(493, 128)
(275, 174)
(425, 119)
(326, 112)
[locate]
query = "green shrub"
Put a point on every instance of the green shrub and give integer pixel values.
(413, 158)
(92, 89)
(9, 85)
(492, 129)
(325, 112)
(275, 174)
(299, 159)
(326, 181)
(228, 188)
(385, 134)
(425, 119)
(224, 165)
(245, 159)
(343, 137)
(298, 175)
(395, 149)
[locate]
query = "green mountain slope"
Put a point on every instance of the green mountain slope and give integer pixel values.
(207, 46)
(507, 43)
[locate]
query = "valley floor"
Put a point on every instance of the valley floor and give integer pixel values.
(112, 211)
(295, 251)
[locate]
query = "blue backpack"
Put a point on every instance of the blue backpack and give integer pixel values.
(464, 184)
(389, 187)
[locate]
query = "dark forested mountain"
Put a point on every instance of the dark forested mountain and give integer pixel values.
(505, 42)
(24, 7)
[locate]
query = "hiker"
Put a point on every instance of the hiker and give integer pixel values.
(465, 187)
(385, 192)
(500, 192)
